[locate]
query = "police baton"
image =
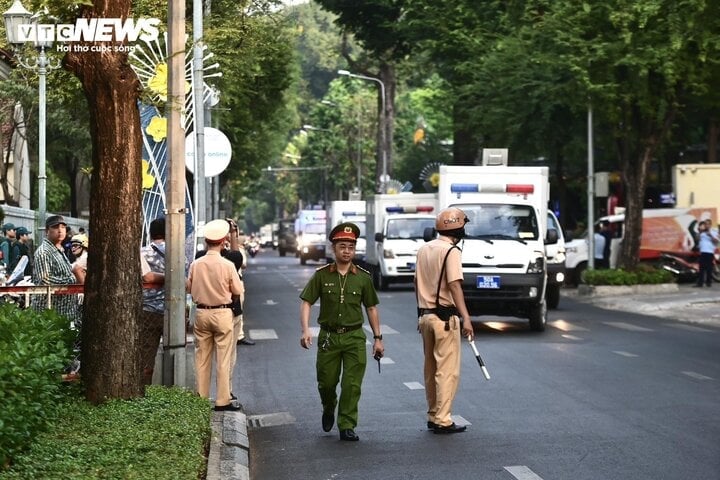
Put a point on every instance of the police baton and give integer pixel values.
(478, 358)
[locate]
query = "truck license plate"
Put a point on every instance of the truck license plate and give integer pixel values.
(487, 282)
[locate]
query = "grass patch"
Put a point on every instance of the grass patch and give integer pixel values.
(164, 435)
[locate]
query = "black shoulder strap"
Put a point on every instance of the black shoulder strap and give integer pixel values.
(157, 249)
(442, 273)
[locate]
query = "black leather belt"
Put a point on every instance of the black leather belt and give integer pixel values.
(427, 311)
(212, 307)
(341, 329)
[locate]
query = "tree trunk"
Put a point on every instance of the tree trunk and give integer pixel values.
(635, 168)
(110, 358)
(634, 171)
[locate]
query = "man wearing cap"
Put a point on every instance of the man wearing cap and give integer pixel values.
(441, 306)
(51, 267)
(342, 288)
(7, 244)
(212, 282)
(21, 248)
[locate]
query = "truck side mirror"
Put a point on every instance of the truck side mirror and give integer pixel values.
(429, 234)
(552, 236)
(379, 237)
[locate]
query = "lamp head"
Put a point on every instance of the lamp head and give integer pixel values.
(15, 16)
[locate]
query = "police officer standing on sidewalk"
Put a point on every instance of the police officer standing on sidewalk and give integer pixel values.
(438, 284)
(212, 282)
(342, 288)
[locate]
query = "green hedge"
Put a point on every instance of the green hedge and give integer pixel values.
(642, 275)
(34, 349)
(164, 435)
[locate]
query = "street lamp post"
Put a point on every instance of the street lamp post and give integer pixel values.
(384, 177)
(14, 17)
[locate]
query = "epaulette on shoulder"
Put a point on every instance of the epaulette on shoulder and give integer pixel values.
(363, 270)
(324, 266)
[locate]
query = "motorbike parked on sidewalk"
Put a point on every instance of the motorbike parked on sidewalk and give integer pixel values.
(686, 267)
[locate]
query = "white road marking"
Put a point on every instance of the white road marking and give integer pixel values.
(387, 361)
(697, 376)
(460, 421)
(691, 328)
(570, 337)
(628, 326)
(624, 354)
(521, 472)
(270, 302)
(414, 385)
(263, 334)
(566, 326)
(314, 331)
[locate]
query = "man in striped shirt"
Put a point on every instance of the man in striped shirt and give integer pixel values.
(51, 267)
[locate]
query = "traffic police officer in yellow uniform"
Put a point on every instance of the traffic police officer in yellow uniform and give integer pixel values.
(343, 288)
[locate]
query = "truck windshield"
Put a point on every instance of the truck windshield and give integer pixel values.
(487, 221)
(315, 228)
(408, 228)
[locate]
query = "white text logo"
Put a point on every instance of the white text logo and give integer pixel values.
(92, 30)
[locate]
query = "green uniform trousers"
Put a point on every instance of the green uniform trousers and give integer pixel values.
(346, 353)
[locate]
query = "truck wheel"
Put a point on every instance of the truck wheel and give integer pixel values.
(538, 317)
(552, 296)
(579, 273)
(380, 282)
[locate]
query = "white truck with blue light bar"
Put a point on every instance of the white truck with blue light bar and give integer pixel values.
(503, 253)
(395, 227)
(347, 211)
(310, 231)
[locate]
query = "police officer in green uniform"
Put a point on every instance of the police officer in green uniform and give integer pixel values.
(342, 288)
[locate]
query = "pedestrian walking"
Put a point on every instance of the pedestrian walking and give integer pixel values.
(212, 282)
(152, 319)
(343, 289)
(441, 304)
(707, 243)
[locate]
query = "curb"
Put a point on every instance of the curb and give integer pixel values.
(614, 290)
(229, 455)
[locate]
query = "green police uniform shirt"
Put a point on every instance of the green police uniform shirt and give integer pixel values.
(341, 298)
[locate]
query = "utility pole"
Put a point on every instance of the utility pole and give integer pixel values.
(174, 364)
(199, 190)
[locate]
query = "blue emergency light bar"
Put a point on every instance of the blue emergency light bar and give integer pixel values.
(413, 209)
(491, 188)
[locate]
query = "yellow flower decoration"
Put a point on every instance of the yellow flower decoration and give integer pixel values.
(158, 83)
(157, 128)
(148, 180)
(435, 179)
